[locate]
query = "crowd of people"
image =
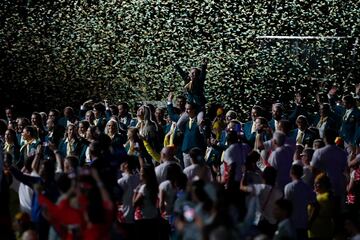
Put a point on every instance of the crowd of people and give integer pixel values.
(184, 171)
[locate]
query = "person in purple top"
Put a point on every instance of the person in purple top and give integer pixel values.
(300, 194)
(331, 160)
(281, 159)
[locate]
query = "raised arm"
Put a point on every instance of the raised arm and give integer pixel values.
(38, 155)
(183, 74)
(170, 108)
(259, 143)
(198, 85)
(162, 196)
(138, 197)
(104, 193)
(25, 179)
(203, 70)
(84, 107)
(59, 162)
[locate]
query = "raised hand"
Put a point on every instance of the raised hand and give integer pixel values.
(88, 103)
(206, 61)
(298, 98)
(333, 91)
(170, 97)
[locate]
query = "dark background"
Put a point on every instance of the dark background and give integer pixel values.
(62, 52)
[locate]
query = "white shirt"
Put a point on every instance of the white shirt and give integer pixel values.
(193, 172)
(347, 113)
(87, 155)
(266, 201)
(333, 161)
(236, 153)
(124, 120)
(268, 146)
(253, 127)
(25, 195)
(276, 124)
(321, 126)
(161, 170)
(207, 152)
(281, 159)
(128, 183)
(170, 195)
(300, 194)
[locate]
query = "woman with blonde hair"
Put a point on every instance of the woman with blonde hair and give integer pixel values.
(149, 133)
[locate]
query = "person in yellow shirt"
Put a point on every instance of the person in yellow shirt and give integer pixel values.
(219, 124)
(321, 217)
